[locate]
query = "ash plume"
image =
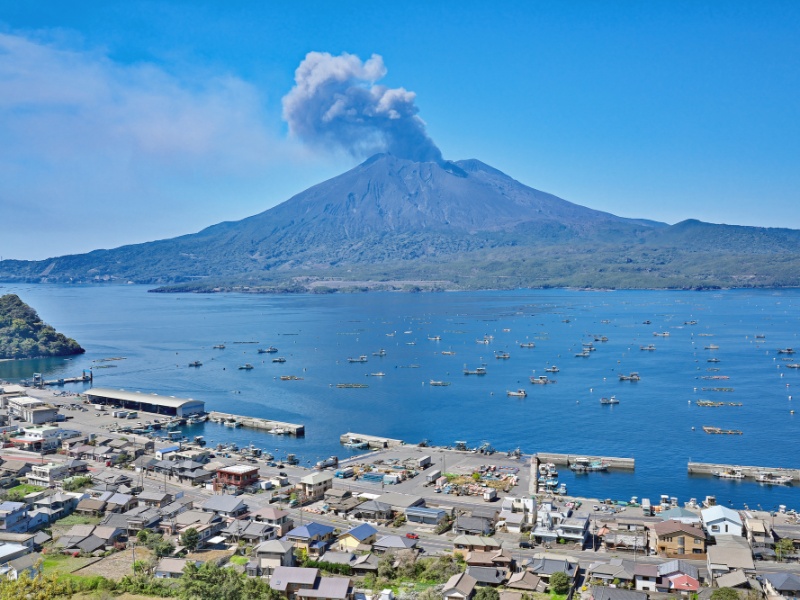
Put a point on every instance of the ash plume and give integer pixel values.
(336, 102)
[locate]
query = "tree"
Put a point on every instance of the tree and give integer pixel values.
(725, 594)
(784, 548)
(190, 539)
(560, 582)
(487, 593)
(40, 587)
(212, 582)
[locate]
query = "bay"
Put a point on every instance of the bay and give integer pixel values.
(656, 422)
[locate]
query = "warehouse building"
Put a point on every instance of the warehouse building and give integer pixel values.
(152, 403)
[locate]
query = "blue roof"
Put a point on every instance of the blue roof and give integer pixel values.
(421, 510)
(169, 449)
(311, 530)
(362, 532)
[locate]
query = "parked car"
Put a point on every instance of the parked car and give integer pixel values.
(412, 536)
(524, 544)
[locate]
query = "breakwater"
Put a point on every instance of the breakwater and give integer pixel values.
(277, 427)
(696, 468)
(613, 462)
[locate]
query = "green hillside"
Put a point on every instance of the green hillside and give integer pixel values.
(24, 335)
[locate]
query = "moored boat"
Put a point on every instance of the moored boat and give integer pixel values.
(435, 383)
(612, 400)
(195, 363)
(245, 367)
(728, 474)
(360, 359)
(520, 393)
(773, 478)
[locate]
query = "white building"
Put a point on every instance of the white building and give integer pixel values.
(47, 475)
(720, 520)
(314, 485)
(40, 438)
(32, 410)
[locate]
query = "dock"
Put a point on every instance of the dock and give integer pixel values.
(256, 423)
(696, 468)
(374, 441)
(613, 462)
(86, 377)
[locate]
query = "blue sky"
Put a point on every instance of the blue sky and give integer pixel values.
(124, 122)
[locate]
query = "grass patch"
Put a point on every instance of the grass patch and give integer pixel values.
(238, 559)
(74, 519)
(63, 563)
(18, 492)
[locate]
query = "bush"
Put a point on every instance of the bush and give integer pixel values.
(560, 582)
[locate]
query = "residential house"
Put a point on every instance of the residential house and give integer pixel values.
(299, 583)
(734, 579)
(176, 507)
(488, 576)
(420, 515)
(459, 587)
(624, 535)
(469, 525)
(269, 555)
(360, 537)
(341, 502)
(786, 585)
(500, 559)
(171, 568)
(400, 502)
(28, 563)
(471, 543)
(121, 503)
(15, 468)
(517, 512)
(678, 576)
(57, 506)
(526, 581)
(237, 476)
(731, 552)
(313, 538)
(47, 475)
(91, 507)
(26, 539)
(615, 571)
(13, 517)
(252, 532)
(721, 520)
(328, 588)
(276, 517)
(598, 592)
(684, 515)
(545, 567)
(230, 507)
(393, 543)
(759, 536)
(374, 511)
(645, 577)
(10, 551)
(314, 485)
(154, 499)
(206, 524)
(676, 539)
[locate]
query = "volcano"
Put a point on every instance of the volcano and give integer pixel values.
(393, 223)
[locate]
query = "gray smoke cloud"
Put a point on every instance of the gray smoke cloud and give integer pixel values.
(336, 102)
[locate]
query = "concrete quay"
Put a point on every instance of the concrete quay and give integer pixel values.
(256, 423)
(696, 468)
(374, 441)
(614, 462)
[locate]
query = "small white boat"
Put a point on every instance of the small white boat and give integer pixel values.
(520, 393)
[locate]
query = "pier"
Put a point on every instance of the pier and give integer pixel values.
(256, 423)
(696, 468)
(374, 441)
(613, 462)
(86, 377)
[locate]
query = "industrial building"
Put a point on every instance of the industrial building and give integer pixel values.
(152, 403)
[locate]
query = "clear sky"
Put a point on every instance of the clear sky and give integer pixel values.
(125, 122)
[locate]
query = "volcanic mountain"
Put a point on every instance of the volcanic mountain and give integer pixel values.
(393, 223)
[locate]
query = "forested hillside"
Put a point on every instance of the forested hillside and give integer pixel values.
(24, 335)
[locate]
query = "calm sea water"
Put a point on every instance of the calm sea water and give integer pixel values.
(656, 421)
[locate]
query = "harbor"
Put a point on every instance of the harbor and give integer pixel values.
(568, 460)
(276, 427)
(697, 468)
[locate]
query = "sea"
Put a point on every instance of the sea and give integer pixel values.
(436, 336)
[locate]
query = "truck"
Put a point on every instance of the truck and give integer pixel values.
(345, 473)
(423, 462)
(489, 495)
(331, 461)
(647, 510)
(433, 476)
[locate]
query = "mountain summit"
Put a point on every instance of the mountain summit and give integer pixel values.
(461, 224)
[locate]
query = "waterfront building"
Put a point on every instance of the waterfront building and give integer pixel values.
(679, 540)
(39, 438)
(152, 403)
(314, 485)
(32, 410)
(721, 520)
(238, 476)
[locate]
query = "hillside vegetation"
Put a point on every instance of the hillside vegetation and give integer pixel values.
(24, 335)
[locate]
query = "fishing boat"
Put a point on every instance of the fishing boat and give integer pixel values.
(503, 355)
(270, 350)
(352, 385)
(245, 367)
(729, 474)
(380, 352)
(527, 345)
(219, 347)
(773, 479)
(378, 374)
(541, 380)
(712, 347)
(648, 348)
(612, 400)
(661, 334)
(291, 378)
(231, 423)
(713, 360)
(600, 338)
(448, 353)
(562, 489)
(553, 369)
(785, 351)
(356, 444)
(360, 359)
(631, 377)
(475, 371)
(196, 363)
(435, 383)
(583, 354)
(434, 338)
(520, 393)
(585, 465)
(277, 431)
(548, 469)
(793, 366)
(279, 359)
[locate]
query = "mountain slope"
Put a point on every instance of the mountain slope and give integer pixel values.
(394, 219)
